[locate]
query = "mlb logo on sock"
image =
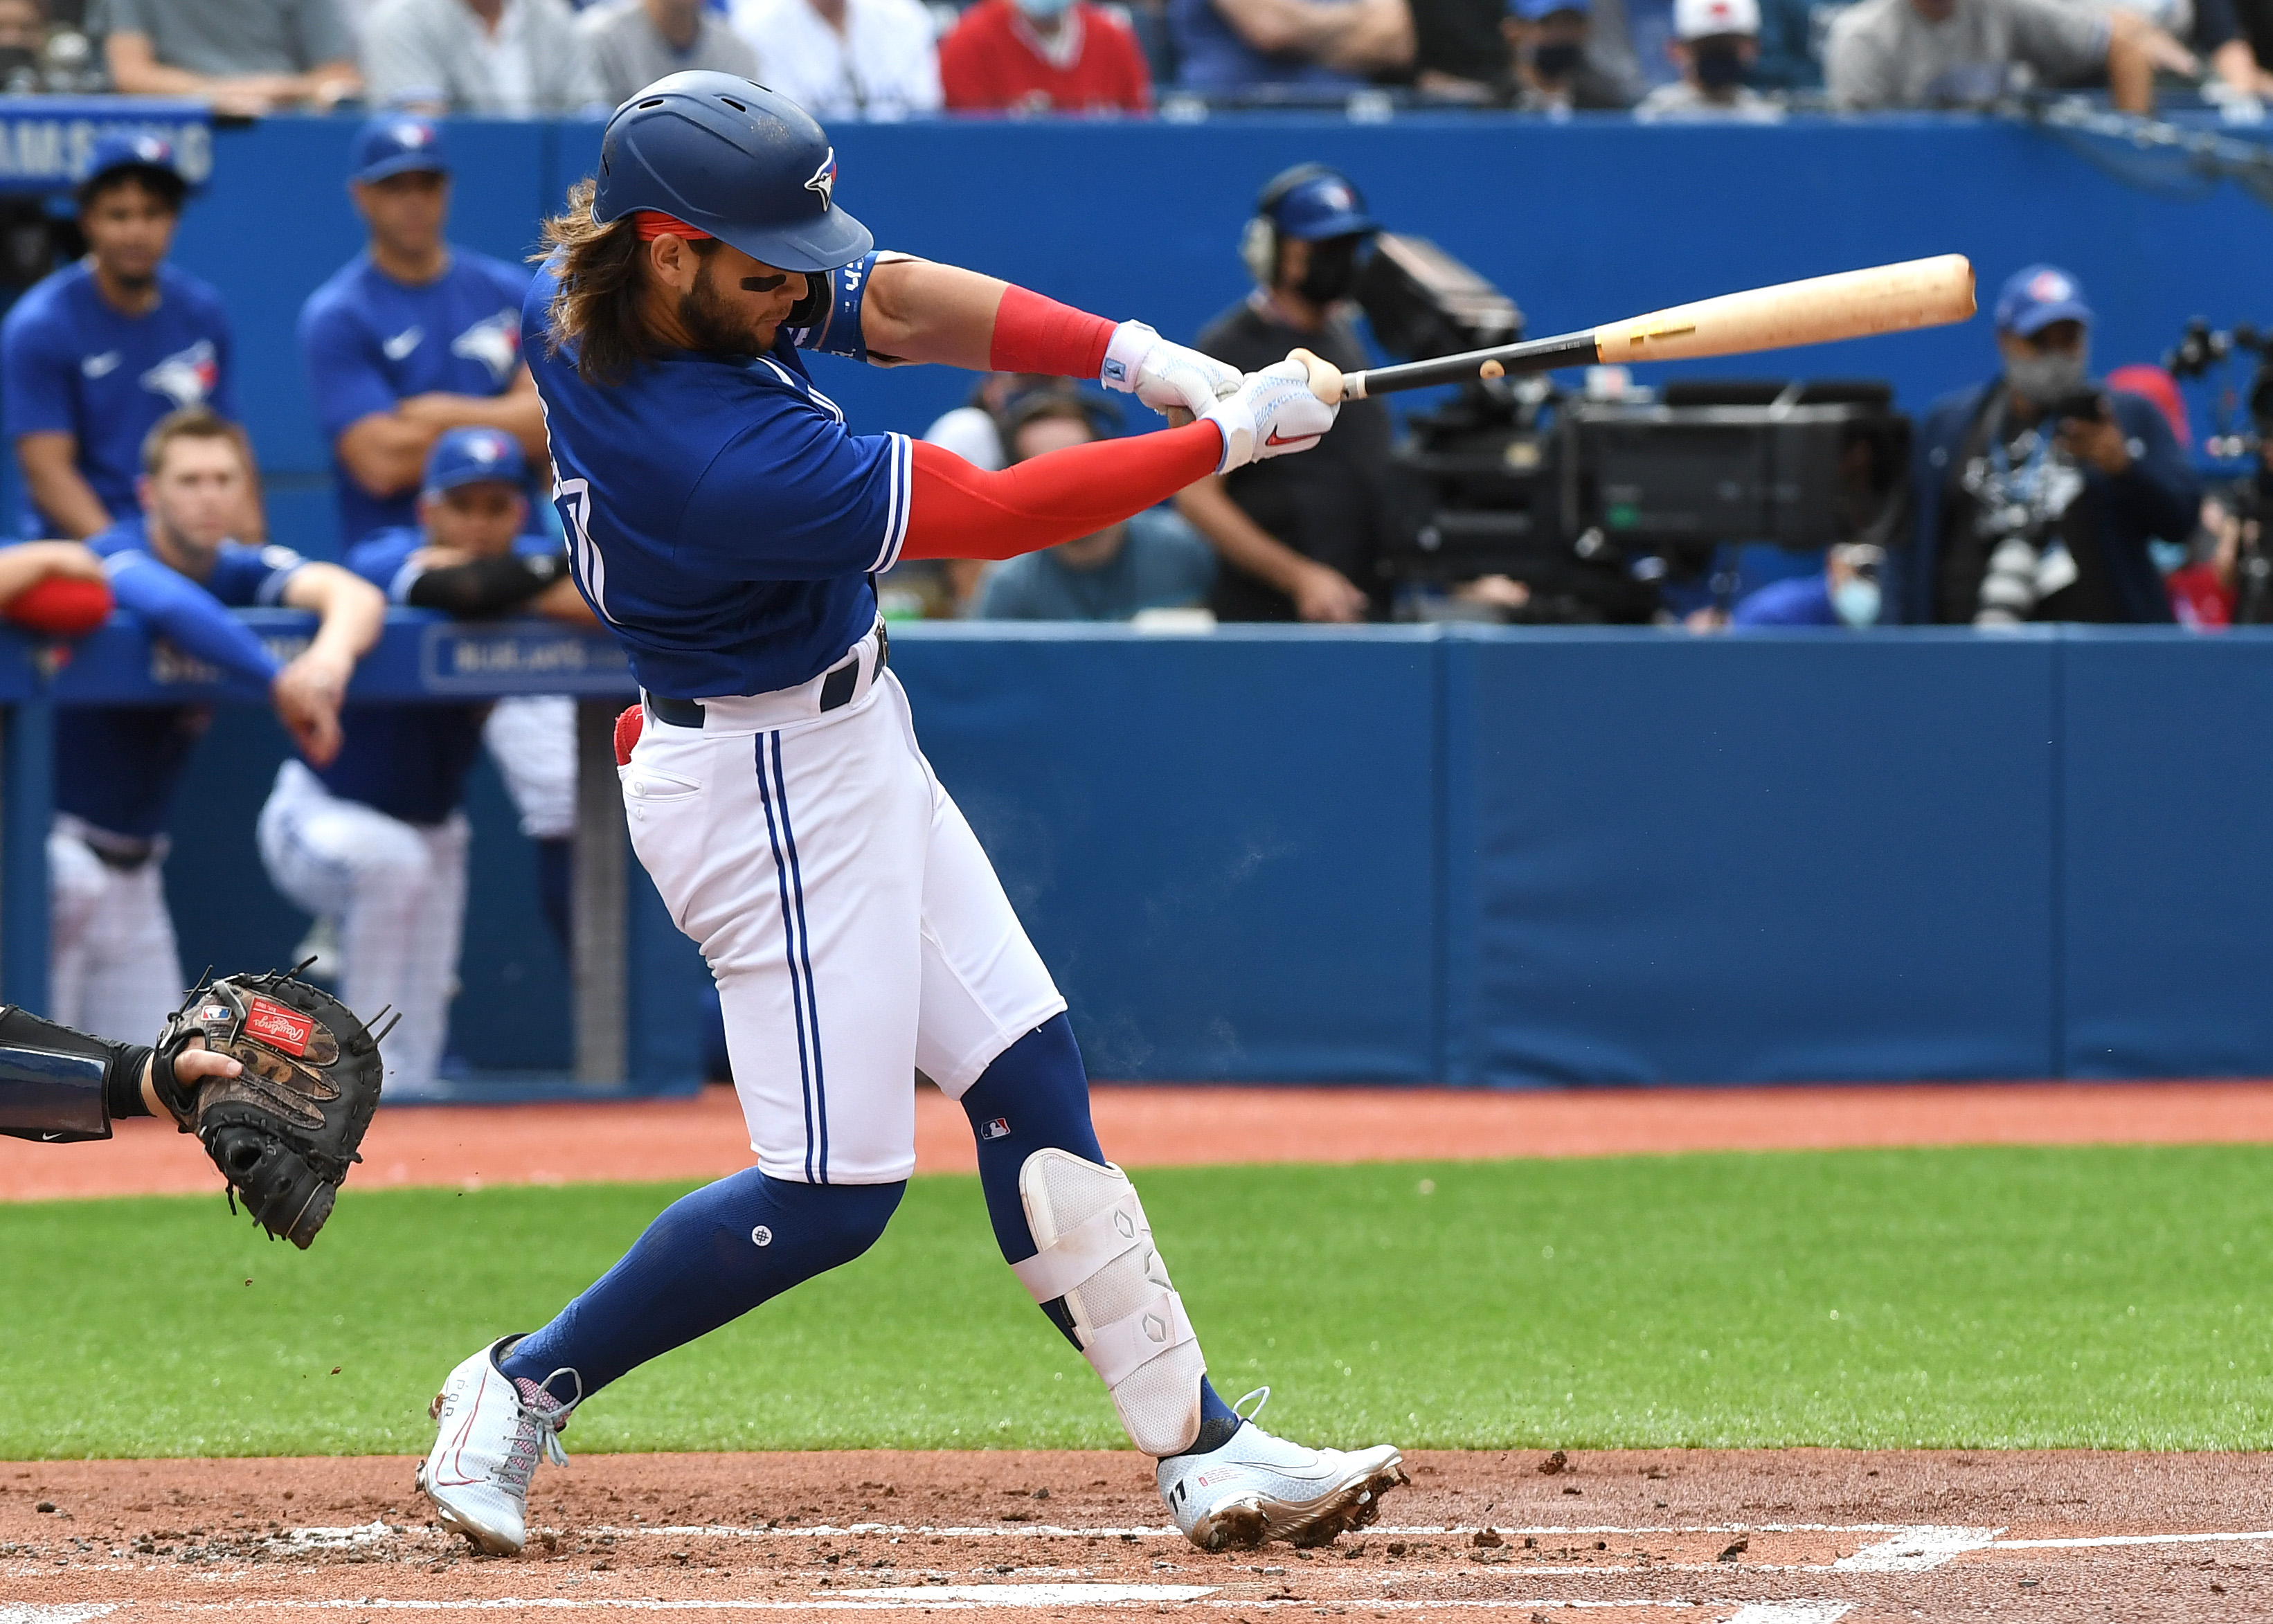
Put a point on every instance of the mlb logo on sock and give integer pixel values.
(999, 1129)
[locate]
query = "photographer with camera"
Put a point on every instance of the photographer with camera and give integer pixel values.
(2036, 493)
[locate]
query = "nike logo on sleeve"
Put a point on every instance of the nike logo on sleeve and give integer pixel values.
(403, 342)
(101, 365)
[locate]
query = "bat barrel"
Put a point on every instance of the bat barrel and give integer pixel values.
(1887, 298)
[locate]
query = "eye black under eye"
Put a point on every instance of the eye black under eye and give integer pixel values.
(762, 284)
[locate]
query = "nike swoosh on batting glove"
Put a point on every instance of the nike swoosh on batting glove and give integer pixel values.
(1272, 414)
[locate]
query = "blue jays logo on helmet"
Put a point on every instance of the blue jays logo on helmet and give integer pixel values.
(412, 133)
(824, 179)
(152, 149)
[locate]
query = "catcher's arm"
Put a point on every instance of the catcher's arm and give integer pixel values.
(59, 1085)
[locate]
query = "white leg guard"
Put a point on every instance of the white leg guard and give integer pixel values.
(1096, 1254)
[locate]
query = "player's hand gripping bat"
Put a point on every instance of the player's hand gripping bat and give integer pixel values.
(1853, 304)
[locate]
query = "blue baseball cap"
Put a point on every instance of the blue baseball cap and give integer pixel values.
(397, 143)
(468, 456)
(1532, 10)
(2034, 297)
(151, 154)
(1312, 203)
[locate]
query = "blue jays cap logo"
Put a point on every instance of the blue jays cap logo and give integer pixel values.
(487, 447)
(150, 149)
(412, 133)
(824, 180)
(2050, 288)
(1335, 195)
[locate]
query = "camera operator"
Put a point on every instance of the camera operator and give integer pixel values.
(1300, 544)
(2037, 493)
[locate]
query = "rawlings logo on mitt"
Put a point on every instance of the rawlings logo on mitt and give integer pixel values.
(285, 1130)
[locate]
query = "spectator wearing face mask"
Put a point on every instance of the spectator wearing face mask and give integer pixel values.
(2039, 492)
(1043, 56)
(1300, 546)
(1552, 72)
(1844, 593)
(1715, 44)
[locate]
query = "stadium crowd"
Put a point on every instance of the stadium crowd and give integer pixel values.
(891, 59)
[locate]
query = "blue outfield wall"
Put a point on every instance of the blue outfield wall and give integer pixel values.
(1581, 220)
(1521, 857)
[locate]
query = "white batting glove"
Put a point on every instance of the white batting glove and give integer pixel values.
(1272, 414)
(1140, 362)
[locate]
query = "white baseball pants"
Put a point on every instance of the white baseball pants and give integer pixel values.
(856, 930)
(532, 738)
(113, 969)
(398, 891)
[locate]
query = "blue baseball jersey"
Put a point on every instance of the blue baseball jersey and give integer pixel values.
(117, 766)
(73, 363)
(722, 519)
(409, 761)
(369, 341)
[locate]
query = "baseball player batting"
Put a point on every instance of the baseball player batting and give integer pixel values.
(726, 522)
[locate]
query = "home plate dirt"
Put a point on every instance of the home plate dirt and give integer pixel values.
(1798, 1537)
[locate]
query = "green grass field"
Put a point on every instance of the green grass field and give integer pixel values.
(1981, 1298)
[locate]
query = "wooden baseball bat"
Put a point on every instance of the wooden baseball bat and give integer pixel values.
(1852, 304)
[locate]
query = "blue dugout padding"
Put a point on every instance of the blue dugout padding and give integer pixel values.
(1140, 217)
(1480, 856)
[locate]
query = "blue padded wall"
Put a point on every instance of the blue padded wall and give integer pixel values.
(1223, 846)
(1768, 858)
(2166, 894)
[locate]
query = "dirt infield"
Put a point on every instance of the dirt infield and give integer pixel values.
(1804, 1536)
(1155, 1125)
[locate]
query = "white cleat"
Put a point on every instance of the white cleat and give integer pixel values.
(491, 1429)
(1257, 1487)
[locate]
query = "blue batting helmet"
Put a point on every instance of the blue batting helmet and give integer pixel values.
(742, 162)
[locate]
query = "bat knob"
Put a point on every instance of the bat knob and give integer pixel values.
(1326, 378)
(1491, 369)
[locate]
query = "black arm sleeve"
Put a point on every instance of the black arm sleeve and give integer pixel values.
(57, 1084)
(487, 586)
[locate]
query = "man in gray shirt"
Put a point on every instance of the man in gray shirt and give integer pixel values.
(247, 56)
(636, 42)
(1920, 53)
(495, 58)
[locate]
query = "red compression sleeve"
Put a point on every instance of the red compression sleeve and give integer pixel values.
(957, 511)
(1034, 334)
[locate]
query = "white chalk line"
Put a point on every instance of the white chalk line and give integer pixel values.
(2087, 1542)
(1388, 1530)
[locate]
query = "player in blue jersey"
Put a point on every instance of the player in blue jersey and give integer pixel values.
(94, 355)
(375, 840)
(413, 336)
(173, 566)
(724, 521)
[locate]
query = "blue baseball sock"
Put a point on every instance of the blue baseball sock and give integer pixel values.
(1035, 1097)
(710, 1257)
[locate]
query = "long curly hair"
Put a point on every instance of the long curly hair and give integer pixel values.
(596, 305)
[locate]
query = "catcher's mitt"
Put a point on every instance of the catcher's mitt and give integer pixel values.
(284, 1131)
